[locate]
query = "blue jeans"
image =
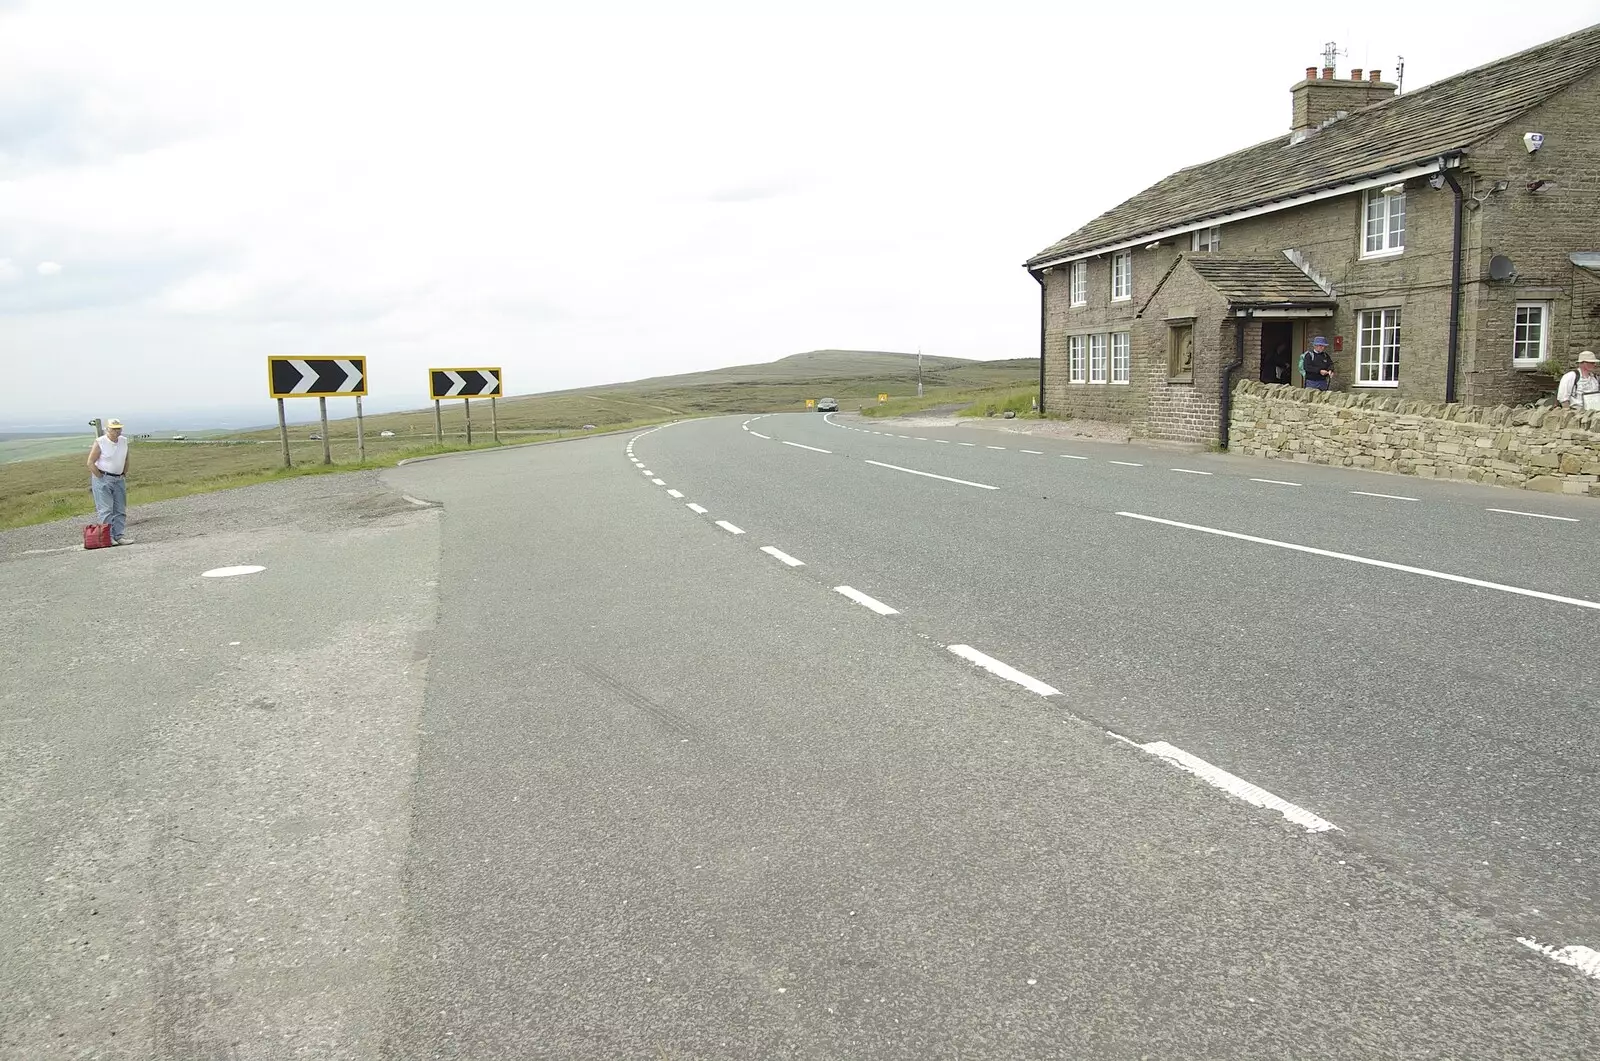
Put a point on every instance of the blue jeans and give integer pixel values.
(110, 501)
(1317, 384)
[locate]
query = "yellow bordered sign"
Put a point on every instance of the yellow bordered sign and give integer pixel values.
(317, 377)
(811, 403)
(464, 383)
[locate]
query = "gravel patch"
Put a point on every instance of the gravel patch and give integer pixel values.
(314, 502)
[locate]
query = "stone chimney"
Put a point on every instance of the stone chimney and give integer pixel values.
(1322, 96)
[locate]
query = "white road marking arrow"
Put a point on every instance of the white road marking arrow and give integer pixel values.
(308, 376)
(456, 384)
(352, 377)
(490, 381)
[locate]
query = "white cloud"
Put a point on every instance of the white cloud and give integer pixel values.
(584, 199)
(49, 268)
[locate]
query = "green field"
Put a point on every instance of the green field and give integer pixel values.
(56, 487)
(16, 450)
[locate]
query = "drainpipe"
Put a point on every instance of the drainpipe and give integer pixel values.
(1451, 354)
(1239, 322)
(1042, 320)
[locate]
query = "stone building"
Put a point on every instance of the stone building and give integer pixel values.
(1447, 241)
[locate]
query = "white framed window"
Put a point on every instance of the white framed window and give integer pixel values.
(1122, 276)
(1077, 360)
(1121, 358)
(1385, 230)
(1208, 239)
(1378, 348)
(1078, 282)
(1530, 335)
(1097, 359)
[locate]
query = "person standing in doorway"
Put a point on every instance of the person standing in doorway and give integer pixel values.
(1316, 366)
(108, 480)
(1581, 381)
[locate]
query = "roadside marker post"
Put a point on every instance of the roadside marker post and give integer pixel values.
(466, 404)
(438, 425)
(319, 378)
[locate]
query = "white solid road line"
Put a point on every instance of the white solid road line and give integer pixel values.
(930, 475)
(760, 435)
(1584, 959)
(697, 508)
(674, 493)
(1391, 497)
(1535, 515)
(1009, 673)
(1234, 786)
(1274, 482)
(730, 528)
(773, 551)
(866, 601)
(658, 482)
(1188, 471)
(1128, 464)
(1445, 576)
(813, 449)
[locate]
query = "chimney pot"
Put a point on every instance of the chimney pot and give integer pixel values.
(1377, 75)
(1311, 73)
(1355, 75)
(1327, 73)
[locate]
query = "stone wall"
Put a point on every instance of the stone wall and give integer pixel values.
(1553, 450)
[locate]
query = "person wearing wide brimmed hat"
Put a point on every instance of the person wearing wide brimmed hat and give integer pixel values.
(1580, 388)
(108, 470)
(1316, 366)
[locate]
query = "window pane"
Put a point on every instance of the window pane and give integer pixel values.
(1397, 221)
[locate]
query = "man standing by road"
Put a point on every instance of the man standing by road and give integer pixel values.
(1316, 366)
(108, 470)
(1575, 386)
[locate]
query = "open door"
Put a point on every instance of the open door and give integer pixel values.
(1277, 351)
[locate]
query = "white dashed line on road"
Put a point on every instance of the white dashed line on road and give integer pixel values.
(1003, 670)
(674, 493)
(1235, 786)
(647, 471)
(698, 509)
(1442, 575)
(760, 435)
(813, 449)
(1035, 452)
(1128, 464)
(1535, 515)
(1074, 457)
(1584, 959)
(865, 601)
(942, 441)
(994, 447)
(930, 475)
(779, 554)
(972, 444)
(730, 528)
(658, 482)
(1391, 497)
(417, 501)
(1188, 471)
(1274, 482)
(918, 438)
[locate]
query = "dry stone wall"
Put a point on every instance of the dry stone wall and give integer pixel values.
(1553, 450)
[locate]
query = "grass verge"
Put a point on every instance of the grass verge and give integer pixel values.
(1022, 402)
(972, 402)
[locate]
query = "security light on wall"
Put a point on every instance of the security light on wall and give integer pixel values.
(1393, 189)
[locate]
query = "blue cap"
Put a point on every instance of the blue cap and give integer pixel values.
(1319, 341)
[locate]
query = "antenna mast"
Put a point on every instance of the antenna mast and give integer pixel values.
(1399, 74)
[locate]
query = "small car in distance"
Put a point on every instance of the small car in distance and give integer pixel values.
(827, 405)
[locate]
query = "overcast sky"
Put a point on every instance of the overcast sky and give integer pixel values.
(585, 199)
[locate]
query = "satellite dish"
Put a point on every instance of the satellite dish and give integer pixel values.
(1501, 268)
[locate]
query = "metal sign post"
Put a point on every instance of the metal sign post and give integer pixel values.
(494, 422)
(327, 452)
(361, 441)
(467, 404)
(283, 430)
(438, 425)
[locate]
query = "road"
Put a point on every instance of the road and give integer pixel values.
(660, 746)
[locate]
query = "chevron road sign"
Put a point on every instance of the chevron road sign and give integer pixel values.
(317, 377)
(464, 383)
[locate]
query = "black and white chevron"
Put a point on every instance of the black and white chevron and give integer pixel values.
(317, 377)
(464, 382)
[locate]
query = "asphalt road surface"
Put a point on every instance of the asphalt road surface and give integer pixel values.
(792, 738)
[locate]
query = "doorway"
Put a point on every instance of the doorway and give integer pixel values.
(1277, 351)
